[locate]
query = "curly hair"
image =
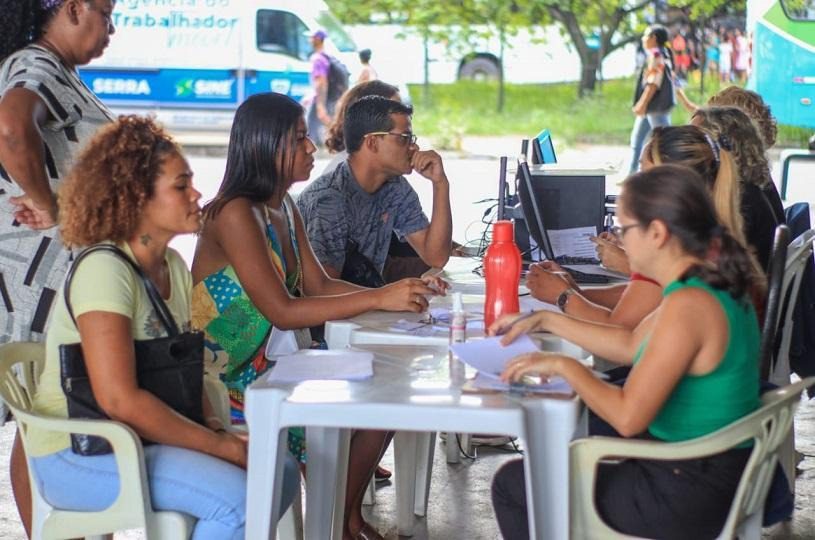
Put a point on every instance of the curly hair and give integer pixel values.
(752, 104)
(112, 179)
(335, 142)
(734, 128)
(23, 22)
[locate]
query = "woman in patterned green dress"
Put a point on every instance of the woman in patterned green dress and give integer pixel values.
(256, 276)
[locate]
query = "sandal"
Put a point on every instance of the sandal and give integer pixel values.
(381, 474)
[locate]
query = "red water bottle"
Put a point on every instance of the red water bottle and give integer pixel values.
(502, 271)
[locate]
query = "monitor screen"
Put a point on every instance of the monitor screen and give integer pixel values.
(555, 202)
(543, 151)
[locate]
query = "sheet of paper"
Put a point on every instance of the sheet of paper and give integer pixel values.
(573, 242)
(308, 365)
(556, 385)
(489, 356)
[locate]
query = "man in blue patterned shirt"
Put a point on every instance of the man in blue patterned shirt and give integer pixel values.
(367, 197)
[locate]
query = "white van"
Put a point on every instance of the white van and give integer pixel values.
(192, 62)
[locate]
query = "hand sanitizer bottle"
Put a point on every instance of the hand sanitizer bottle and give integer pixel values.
(458, 334)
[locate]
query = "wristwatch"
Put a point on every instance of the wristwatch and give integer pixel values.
(563, 299)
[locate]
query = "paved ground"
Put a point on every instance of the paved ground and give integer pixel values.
(459, 498)
(459, 506)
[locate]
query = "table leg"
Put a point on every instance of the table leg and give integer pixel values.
(326, 473)
(265, 471)
(426, 447)
(550, 426)
(343, 456)
(404, 449)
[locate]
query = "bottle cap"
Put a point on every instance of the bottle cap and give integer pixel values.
(503, 231)
(458, 305)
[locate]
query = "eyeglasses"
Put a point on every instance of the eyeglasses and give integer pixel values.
(619, 231)
(407, 138)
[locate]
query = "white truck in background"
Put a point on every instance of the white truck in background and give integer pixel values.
(193, 62)
(541, 56)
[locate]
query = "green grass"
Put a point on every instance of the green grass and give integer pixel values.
(469, 108)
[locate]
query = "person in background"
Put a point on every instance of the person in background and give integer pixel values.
(355, 208)
(741, 61)
(681, 53)
(47, 114)
(258, 285)
(725, 57)
(321, 111)
(712, 54)
(695, 367)
(131, 187)
(368, 73)
(653, 95)
(335, 141)
(760, 204)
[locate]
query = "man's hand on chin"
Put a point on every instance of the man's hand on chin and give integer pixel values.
(428, 164)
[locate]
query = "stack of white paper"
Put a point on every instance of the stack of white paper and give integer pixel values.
(308, 365)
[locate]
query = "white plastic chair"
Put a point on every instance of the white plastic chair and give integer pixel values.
(799, 252)
(131, 509)
(767, 427)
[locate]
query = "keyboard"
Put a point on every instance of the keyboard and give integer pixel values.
(566, 259)
(583, 277)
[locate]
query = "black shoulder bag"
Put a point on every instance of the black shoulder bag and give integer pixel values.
(171, 368)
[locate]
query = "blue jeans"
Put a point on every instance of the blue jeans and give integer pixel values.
(641, 130)
(203, 486)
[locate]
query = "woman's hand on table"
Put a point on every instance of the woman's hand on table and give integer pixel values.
(512, 326)
(405, 295)
(547, 280)
(541, 364)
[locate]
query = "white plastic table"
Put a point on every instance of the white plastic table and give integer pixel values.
(409, 392)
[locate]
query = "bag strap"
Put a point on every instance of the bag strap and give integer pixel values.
(156, 300)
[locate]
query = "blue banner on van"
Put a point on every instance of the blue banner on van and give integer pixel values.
(189, 88)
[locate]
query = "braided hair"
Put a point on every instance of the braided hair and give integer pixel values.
(22, 22)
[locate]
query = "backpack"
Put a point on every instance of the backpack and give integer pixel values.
(338, 78)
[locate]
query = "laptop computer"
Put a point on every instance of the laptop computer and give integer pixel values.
(572, 205)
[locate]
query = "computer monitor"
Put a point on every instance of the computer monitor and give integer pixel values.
(543, 151)
(554, 202)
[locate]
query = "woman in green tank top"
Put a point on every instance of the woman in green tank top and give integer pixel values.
(695, 364)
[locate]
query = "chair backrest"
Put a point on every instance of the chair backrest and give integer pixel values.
(799, 253)
(772, 308)
(20, 368)
(769, 427)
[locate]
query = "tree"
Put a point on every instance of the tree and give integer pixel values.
(614, 23)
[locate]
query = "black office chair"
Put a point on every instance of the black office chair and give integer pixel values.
(772, 308)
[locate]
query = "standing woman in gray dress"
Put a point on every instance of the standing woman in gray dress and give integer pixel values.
(46, 114)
